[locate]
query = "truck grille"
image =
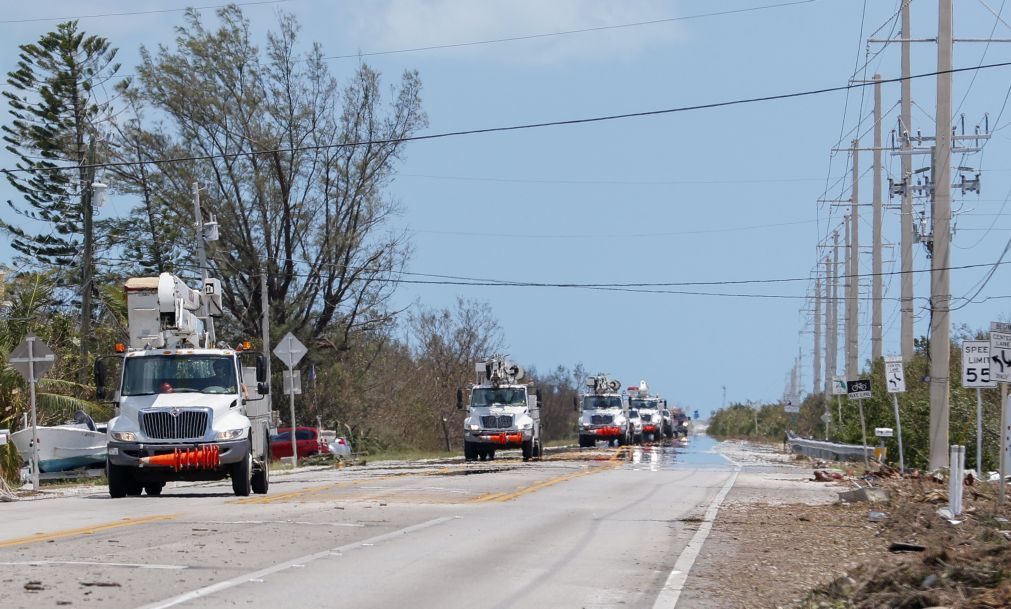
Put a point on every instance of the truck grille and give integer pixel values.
(491, 421)
(646, 418)
(175, 424)
(601, 419)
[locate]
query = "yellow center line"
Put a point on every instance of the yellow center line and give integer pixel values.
(532, 488)
(305, 492)
(90, 530)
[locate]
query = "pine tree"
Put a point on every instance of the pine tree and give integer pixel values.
(55, 119)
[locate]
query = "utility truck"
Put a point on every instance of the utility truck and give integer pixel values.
(186, 407)
(602, 414)
(650, 411)
(502, 413)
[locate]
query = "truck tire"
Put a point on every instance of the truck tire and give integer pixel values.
(637, 438)
(153, 489)
(118, 477)
(469, 451)
(539, 449)
(241, 482)
(133, 487)
(261, 478)
(491, 454)
(528, 450)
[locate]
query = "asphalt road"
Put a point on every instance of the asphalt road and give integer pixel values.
(583, 528)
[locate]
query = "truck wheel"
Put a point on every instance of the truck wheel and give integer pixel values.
(133, 488)
(261, 478)
(469, 451)
(491, 454)
(637, 438)
(539, 449)
(528, 450)
(240, 476)
(118, 477)
(153, 489)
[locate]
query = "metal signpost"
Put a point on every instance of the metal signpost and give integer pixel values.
(860, 390)
(976, 374)
(33, 358)
(896, 383)
(1000, 370)
(290, 351)
(838, 389)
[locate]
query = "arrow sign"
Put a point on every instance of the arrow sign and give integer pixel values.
(290, 350)
(894, 375)
(1000, 356)
(40, 354)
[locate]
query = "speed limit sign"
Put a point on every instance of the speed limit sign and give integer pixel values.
(976, 364)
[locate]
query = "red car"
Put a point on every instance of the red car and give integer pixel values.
(306, 439)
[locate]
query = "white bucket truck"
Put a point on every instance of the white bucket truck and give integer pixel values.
(502, 413)
(602, 415)
(650, 409)
(186, 408)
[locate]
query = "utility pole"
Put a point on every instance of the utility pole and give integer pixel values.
(906, 208)
(265, 320)
(852, 274)
(816, 366)
(876, 326)
(833, 334)
(829, 327)
(202, 257)
(940, 289)
(87, 263)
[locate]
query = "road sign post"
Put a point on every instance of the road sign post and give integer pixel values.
(896, 384)
(290, 351)
(1000, 371)
(838, 389)
(860, 390)
(976, 374)
(33, 358)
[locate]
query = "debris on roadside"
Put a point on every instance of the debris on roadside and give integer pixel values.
(34, 586)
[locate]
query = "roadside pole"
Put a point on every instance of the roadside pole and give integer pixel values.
(860, 390)
(32, 358)
(1000, 371)
(979, 432)
(290, 350)
(976, 368)
(895, 382)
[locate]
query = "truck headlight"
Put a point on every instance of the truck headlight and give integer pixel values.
(124, 436)
(474, 427)
(230, 434)
(527, 425)
(584, 424)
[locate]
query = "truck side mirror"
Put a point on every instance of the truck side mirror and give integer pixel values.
(539, 399)
(575, 403)
(261, 370)
(262, 388)
(100, 374)
(459, 399)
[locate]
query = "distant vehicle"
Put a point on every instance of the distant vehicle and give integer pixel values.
(667, 426)
(306, 438)
(602, 415)
(501, 412)
(340, 447)
(649, 407)
(636, 421)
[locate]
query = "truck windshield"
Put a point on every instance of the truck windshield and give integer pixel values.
(593, 402)
(641, 403)
(179, 374)
(505, 396)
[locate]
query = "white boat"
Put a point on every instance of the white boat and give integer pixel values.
(63, 447)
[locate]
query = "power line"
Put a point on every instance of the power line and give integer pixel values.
(520, 127)
(568, 32)
(131, 13)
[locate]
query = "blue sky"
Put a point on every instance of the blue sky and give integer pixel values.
(726, 194)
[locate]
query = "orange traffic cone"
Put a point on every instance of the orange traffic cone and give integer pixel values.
(202, 457)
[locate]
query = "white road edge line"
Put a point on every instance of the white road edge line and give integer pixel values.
(671, 591)
(301, 561)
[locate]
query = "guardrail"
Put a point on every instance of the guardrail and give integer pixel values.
(828, 450)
